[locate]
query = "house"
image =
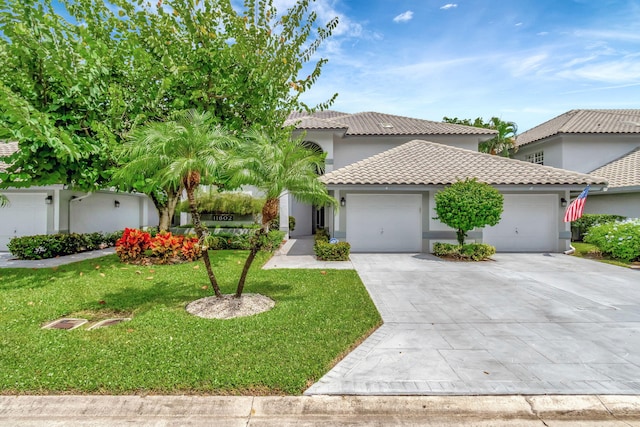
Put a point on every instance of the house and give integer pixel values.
(385, 171)
(57, 209)
(603, 143)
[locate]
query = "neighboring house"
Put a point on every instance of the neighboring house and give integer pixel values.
(603, 143)
(385, 171)
(56, 209)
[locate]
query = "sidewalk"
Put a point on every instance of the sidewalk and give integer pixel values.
(322, 411)
(7, 260)
(298, 253)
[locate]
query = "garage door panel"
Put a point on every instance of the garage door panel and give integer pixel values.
(384, 223)
(25, 215)
(529, 224)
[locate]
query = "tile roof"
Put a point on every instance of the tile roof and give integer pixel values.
(6, 149)
(622, 172)
(429, 163)
(584, 121)
(372, 123)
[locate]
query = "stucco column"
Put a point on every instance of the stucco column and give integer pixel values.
(284, 213)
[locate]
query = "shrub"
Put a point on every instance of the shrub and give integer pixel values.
(468, 204)
(326, 251)
(52, 245)
(470, 251)
(166, 246)
(191, 249)
(275, 223)
(620, 240)
(132, 244)
(230, 203)
(582, 225)
(321, 234)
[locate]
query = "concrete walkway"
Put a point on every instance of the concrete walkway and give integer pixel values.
(7, 260)
(521, 324)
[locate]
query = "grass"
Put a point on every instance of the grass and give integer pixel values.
(587, 250)
(318, 317)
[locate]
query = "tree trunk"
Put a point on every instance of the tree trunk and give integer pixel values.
(256, 244)
(195, 216)
(166, 209)
(460, 234)
(269, 212)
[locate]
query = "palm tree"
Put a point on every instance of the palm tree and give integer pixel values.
(274, 165)
(183, 153)
(503, 141)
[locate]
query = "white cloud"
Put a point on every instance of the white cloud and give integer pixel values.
(527, 65)
(449, 6)
(543, 33)
(519, 24)
(624, 71)
(404, 17)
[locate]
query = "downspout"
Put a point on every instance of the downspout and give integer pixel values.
(74, 199)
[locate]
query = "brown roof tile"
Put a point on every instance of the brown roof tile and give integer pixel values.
(372, 123)
(584, 121)
(622, 172)
(429, 163)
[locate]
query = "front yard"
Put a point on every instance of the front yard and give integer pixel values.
(318, 316)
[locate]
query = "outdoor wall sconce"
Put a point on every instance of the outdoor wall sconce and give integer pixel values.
(343, 202)
(563, 202)
(48, 200)
(116, 204)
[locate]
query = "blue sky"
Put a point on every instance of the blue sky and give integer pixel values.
(521, 60)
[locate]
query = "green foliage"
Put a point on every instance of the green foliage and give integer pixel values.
(326, 251)
(470, 251)
(231, 203)
(582, 225)
(52, 245)
(503, 143)
(225, 241)
(275, 223)
(165, 350)
(468, 204)
(620, 240)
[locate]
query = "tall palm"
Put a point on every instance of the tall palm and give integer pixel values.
(503, 141)
(275, 165)
(184, 153)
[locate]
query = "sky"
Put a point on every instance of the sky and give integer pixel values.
(525, 61)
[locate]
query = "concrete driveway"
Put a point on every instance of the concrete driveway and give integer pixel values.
(521, 324)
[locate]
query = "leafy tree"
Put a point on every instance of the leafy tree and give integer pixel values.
(468, 204)
(275, 167)
(79, 76)
(502, 143)
(184, 153)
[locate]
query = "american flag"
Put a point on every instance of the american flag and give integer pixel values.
(575, 209)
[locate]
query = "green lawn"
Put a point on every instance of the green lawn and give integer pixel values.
(587, 250)
(317, 318)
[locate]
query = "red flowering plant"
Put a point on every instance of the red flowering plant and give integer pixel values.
(132, 244)
(165, 246)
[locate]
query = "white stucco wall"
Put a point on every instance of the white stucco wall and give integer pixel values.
(581, 153)
(626, 204)
(98, 212)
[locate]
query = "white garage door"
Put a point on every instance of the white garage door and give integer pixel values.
(529, 224)
(25, 215)
(384, 222)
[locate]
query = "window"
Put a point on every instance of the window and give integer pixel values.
(537, 157)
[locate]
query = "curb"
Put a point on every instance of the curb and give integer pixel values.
(76, 408)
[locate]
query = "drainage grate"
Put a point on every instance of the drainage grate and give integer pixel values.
(109, 322)
(65, 323)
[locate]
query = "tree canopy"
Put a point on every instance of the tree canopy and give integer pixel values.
(78, 75)
(468, 204)
(502, 144)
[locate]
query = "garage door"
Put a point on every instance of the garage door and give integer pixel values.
(25, 215)
(529, 224)
(384, 222)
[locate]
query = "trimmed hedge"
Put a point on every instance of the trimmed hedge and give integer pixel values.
(242, 241)
(44, 246)
(582, 225)
(469, 251)
(326, 251)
